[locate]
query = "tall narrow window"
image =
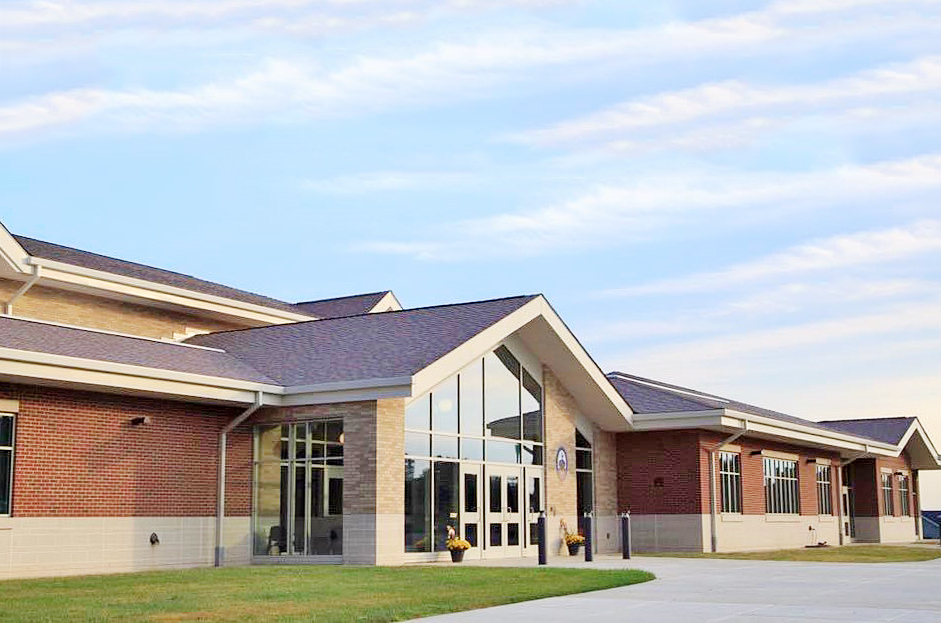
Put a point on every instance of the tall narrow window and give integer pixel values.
(584, 490)
(888, 503)
(6, 462)
(730, 481)
(782, 495)
(903, 496)
(824, 491)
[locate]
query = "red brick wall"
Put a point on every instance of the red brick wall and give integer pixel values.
(77, 455)
(680, 460)
(895, 464)
(753, 484)
(659, 473)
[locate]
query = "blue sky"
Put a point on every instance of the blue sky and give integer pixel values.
(742, 197)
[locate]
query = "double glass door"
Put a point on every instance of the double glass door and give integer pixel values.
(512, 499)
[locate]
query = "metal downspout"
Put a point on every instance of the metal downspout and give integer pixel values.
(220, 492)
(713, 494)
(8, 306)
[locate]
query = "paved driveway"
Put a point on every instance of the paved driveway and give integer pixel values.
(700, 590)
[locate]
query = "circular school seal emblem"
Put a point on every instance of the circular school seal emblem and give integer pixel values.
(561, 462)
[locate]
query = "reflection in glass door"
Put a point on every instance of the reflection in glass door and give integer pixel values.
(504, 517)
(471, 507)
(533, 503)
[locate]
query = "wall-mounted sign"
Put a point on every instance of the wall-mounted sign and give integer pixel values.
(561, 462)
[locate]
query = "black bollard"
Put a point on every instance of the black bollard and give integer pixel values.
(589, 555)
(541, 535)
(626, 536)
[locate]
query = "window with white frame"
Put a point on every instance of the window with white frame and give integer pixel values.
(903, 495)
(888, 503)
(824, 490)
(782, 494)
(730, 481)
(6, 461)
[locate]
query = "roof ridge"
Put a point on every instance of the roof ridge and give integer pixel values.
(872, 419)
(339, 298)
(366, 314)
(672, 387)
(18, 237)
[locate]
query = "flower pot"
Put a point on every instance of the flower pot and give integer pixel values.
(573, 548)
(457, 555)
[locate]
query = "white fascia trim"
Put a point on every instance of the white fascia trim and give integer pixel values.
(481, 343)
(758, 423)
(731, 418)
(28, 366)
(101, 280)
(346, 395)
(917, 427)
(395, 381)
(128, 370)
(11, 252)
(385, 303)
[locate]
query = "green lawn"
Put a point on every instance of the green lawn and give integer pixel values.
(851, 553)
(303, 593)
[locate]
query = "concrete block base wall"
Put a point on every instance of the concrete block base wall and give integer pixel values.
(51, 546)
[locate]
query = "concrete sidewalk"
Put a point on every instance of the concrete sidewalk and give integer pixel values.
(730, 591)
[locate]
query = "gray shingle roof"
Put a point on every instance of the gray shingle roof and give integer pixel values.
(369, 346)
(57, 340)
(342, 305)
(888, 429)
(85, 259)
(667, 398)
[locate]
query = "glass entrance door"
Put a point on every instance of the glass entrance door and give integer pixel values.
(504, 516)
(472, 507)
(533, 505)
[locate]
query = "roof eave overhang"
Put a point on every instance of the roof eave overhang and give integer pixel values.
(34, 368)
(598, 399)
(731, 420)
(928, 458)
(141, 289)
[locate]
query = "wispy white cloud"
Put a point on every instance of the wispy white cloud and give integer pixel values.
(837, 252)
(609, 214)
(750, 106)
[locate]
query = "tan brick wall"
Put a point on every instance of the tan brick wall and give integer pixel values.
(561, 494)
(84, 310)
(390, 485)
(604, 455)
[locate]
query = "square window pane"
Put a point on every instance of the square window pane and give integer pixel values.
(444, 447)
(335, 432)
(472, 449)
(502, 394)
(285, 442)
(418, 444)
(532, 455)
(512, 534)
(583, 459)
(470, 534)
(503, 452)
(318, 431)
(300, 441)
(532, 408)
(496, 535)
(6, 431)
(444, 407)
(418, 414)
(472, 399)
